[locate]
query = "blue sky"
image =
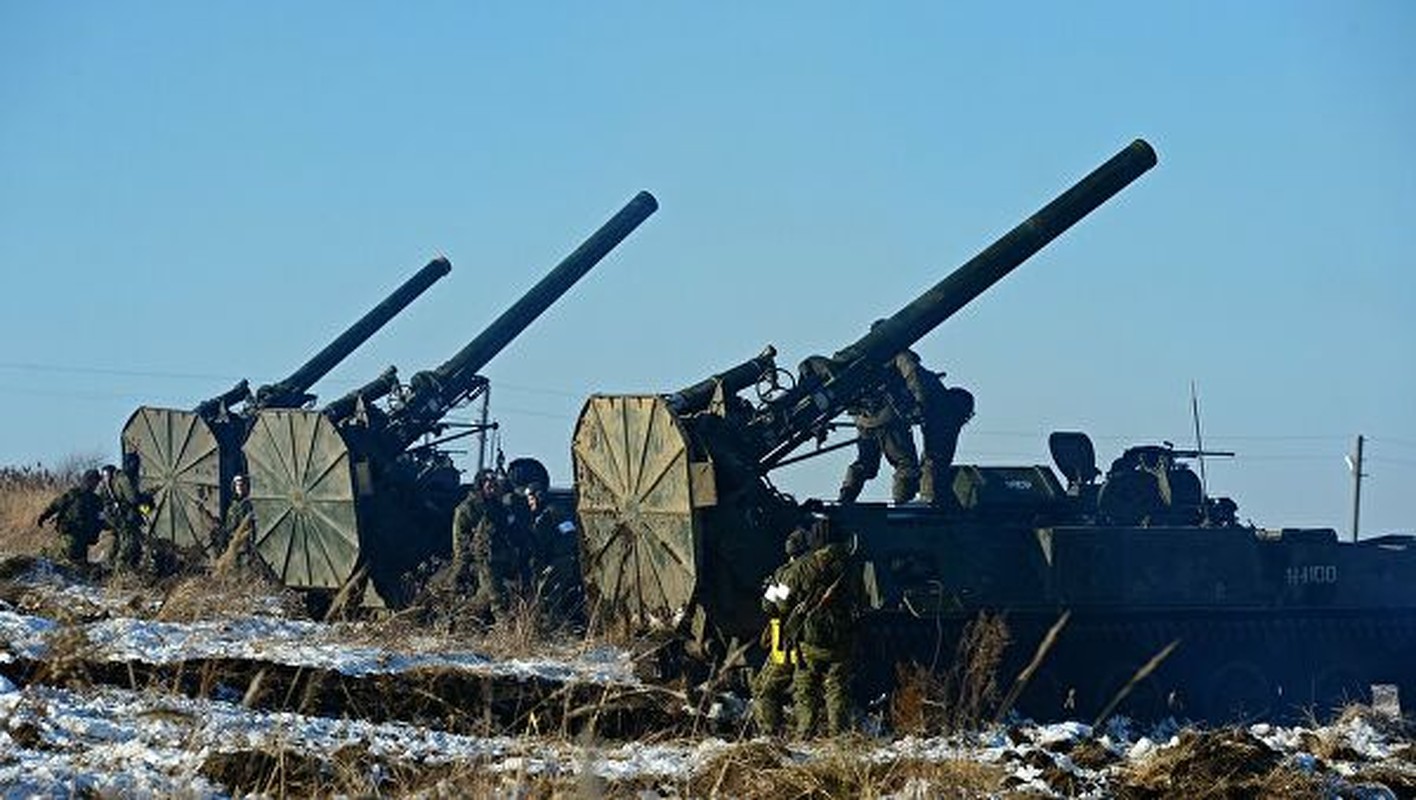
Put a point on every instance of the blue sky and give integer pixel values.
(192, 193)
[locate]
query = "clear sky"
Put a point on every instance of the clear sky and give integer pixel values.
(192, 193)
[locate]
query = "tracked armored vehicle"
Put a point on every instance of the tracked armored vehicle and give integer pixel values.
(681, 524)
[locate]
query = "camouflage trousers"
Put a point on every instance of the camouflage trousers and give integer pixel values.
(74, 547)
(897, 445)
(127, 548)
(939, 447)
(820, 682)
(770, 689)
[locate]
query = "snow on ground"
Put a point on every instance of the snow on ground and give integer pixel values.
(134, 744)
(295, 643)
(59, 742)
(56, 742)
(269, 638)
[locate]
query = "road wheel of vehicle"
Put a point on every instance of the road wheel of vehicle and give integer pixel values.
(1238, 691)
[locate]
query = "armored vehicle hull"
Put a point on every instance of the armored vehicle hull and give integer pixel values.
(1245, 622)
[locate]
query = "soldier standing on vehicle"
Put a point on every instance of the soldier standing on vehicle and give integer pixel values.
(882, 429)
(822, 623)
(941, 413)
(77, 515)
(773, 682)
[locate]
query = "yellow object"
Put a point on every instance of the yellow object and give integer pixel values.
(778, 654)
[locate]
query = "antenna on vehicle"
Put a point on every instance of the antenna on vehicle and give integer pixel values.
(1199, 442)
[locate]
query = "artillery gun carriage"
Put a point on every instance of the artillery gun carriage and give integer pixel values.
(681, 524)
(187, 458)
(361, 492)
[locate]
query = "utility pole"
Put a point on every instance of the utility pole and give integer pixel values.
(1355, 463)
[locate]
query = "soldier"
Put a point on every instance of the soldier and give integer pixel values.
(122, 514)
(822, 624)
(941, 413)
(774, 681)
(77, 515)
(236, 543)
(484, 557)
(882, 429)
(554, 552)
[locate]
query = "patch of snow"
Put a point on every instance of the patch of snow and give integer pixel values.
(22, 635)
(298, 644)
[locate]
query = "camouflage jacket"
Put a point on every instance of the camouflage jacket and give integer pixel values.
(484, 534)
(121, 502)
(828, 594)
(554, 543)
(77, 513)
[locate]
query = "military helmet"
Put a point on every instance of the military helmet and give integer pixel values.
(796, 542)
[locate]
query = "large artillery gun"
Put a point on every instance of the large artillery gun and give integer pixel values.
(1133, 591)
(186, 458)
(361, 492)
(680, 521)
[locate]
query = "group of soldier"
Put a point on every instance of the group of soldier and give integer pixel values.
(909, 394)
(509, 542)
(813, 600)
(105, 499)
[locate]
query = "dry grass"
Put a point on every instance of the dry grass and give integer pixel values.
(963, 698)
(1227, 763)
(751, 771)
(225, 594)
(24, 492)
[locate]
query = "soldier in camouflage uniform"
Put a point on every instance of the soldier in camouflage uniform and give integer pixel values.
(77, 515)
(941, 413)
(882, 430)
(122, 514)
(236, 546)
(554, 553)
(822, 624)
(485, 560)
(773, 682)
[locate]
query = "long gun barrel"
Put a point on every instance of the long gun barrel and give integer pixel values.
(217, 406)
(436, 391)
(292, 392)
(803, 410)
(369, 392)
(699, 395)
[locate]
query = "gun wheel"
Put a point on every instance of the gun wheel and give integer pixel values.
(179, 464)
(635, 498)
(302, 497)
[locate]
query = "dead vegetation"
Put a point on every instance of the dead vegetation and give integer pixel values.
(24, 492)
(225, 594)
(1227, 763)
(965, 697)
